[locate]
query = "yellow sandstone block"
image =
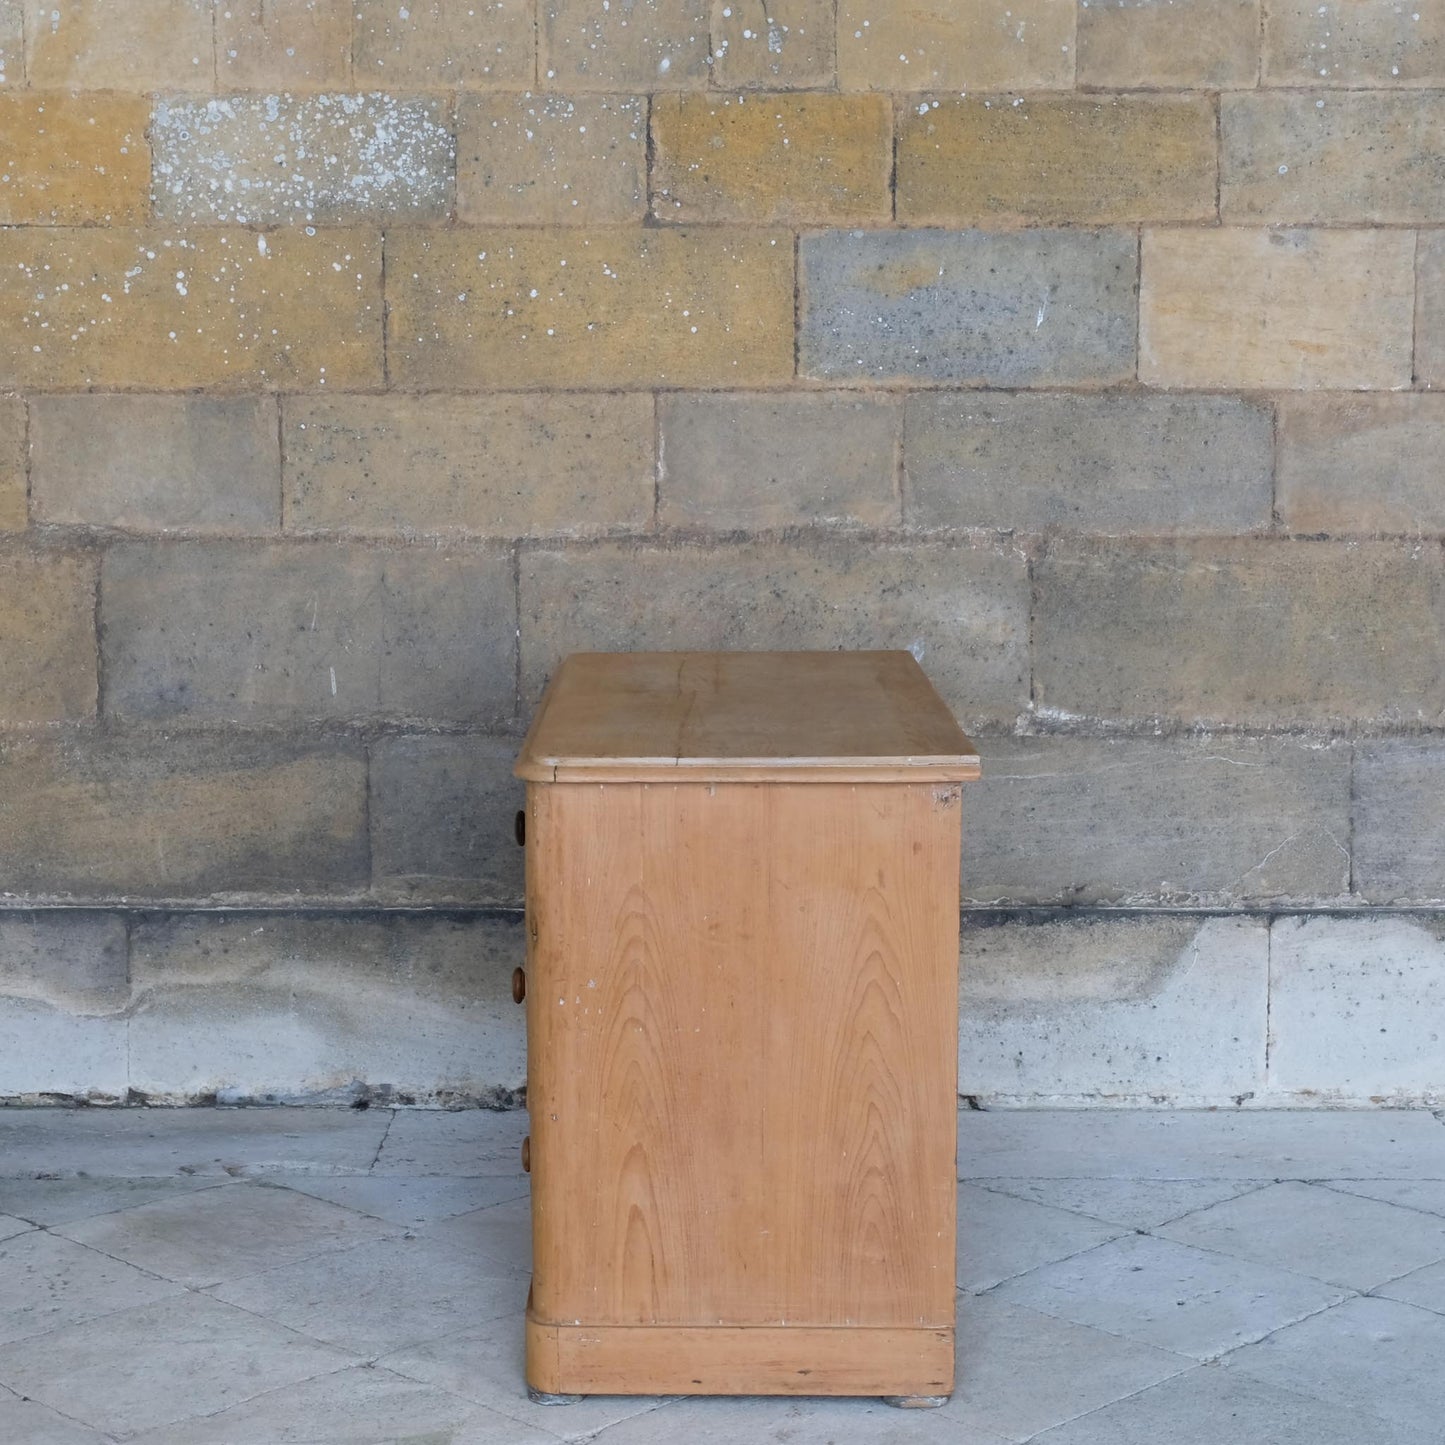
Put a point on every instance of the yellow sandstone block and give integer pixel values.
(607, 307)
(818, 159)
(1041, 160)
(119, 44)
(73, 158)
(948, 44)
(1273, 308)
(137, 309)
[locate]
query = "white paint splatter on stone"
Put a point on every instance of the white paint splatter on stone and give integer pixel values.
(274, 159)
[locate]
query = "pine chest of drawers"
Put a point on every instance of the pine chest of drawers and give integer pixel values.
(742, 999)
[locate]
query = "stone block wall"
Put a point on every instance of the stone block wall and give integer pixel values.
(359, 360)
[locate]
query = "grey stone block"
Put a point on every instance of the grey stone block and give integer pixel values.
(1021, 308)
(1158, 1009)
(289, 1008)
(1249, 631)
(1357, 462)
(299, 631)
(284, 159)
(1204, 822)
(202, 463)
(1355, 1010)
(74, 960)
(738, 461)
(1399, 823)
(961, 609)
(1116, 463)
(181, 817)
(442, 820)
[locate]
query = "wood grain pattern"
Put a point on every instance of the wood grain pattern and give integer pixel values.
(846, 716)
(741, 1006)
(726, 1360)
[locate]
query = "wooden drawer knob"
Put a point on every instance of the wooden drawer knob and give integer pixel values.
(519, 984)
(519, 826)
(527, 1155)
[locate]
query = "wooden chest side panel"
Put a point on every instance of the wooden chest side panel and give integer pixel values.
(742, 1012)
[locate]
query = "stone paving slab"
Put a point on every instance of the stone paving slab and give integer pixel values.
(1193, 1301)
(214, 1235)
(484, 1365)
(1208, 1407)
(1133, 1203)
(409, 1202)
(1377, 1356)
(50, 1283)
(1200, 1144)
(382, 1296)
(999, 1237)
(147, 1143)
(1339, 1238)
(360, 1406)
(181, 1357)
(60, 1201)
(1129, 1278)
(1020, 1372)
(37, 1424)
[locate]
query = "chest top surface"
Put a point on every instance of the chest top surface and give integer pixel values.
(744, 716)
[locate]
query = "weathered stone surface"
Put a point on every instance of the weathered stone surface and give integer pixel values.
(12, 43)
(198, 463)
(791, 43)
(1361, 463)
(119, 44)
(1046, 159)
(1265, 308)
(1216, 822)
(443, 811)
(568, 160)
(73, 962)
(813, 159)
(146, 309)
(181, 817)
(1347, 42)
(437, 44)
(1138, 1009)
(963, 610)
(325, 159)
(613, 307)
(1430, 309)
(735, 461)
(1168, 44)
(956, 44)
(641, 45)
(70, 159)
(13, 504)
(295, 44)
(1250, 631)
(272, 633)
(1119, 464)
(505, 466)
(1399, 824)
(47, 636)
(1031, 308)
(49, 1055)
(1355, 1009)
(1335, 157)
(327, 1009)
